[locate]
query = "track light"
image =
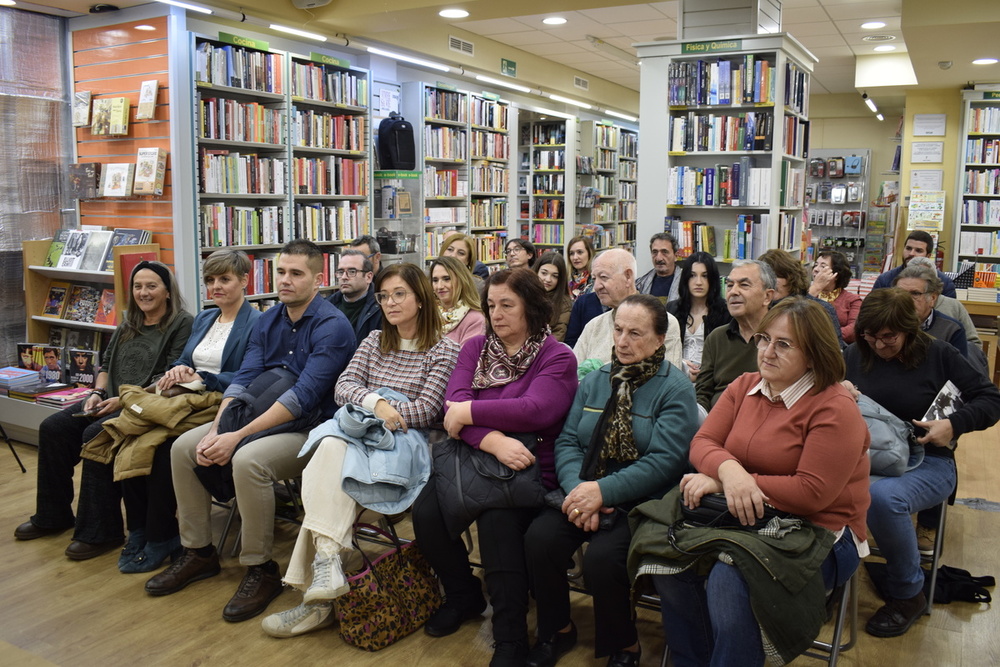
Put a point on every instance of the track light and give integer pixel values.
(566, 100)
(869, 102)
(184, 5)
(618, 114)
(505, 84)
(880, 116)
(296, 31)
(409, 59)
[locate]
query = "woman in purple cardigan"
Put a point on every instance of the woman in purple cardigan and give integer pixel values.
(515, 375)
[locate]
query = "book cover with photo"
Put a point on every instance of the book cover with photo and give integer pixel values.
(29, 356)
(116, 179)
(53, 365)
(83, 302)
(76, 246)
(82, 367)
(106, 309)
(55, 300)
(947, 401)
(83, 338)
(123, 236)
(100, 121)
(97, 248)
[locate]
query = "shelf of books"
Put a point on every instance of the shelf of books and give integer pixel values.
(597, 182)
(628, 187)
(544, 182)
(732, 117)
(442, 149)
(977, 234)
(489, 174)
(283, 144)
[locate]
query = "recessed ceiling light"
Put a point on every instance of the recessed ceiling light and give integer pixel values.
(453, 13)
(138, 27)
(872, 25)
(984, 61)
(885, 47)
(554, 20)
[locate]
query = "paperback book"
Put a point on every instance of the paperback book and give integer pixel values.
(28, 393)
(56, 247)
(63, 397)
(55, 300)
(85, 180)
(106, 309)
(82, 367)
(76, 246)
(116, 179)
(147, 100)
(100, 122)
(123, 236)
(118, 116)
(97, 248)
(83, 302)
(52, 365)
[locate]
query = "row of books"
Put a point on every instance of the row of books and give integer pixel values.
(91, 249)
(330, 222)
(226, 119)
(975, 212)
(628, 210)
(600, 237)
(317, 82)
(488, 213)
(628, 169)
(627, 190)
(263, 275)
(586, 196)
(544, 135)
(237, 67)
(231, 172)
(982, 151)
(549, 160)
(606, 212)
(979, 243)
(749, 131)
(490, 247)
(742, 80)
(982, 182)
(445, 143)
(330, 176)
(548, 209)
(984, 119)
(445, 105)
(547, 234)
(88, 180)
(445, 215)
(61, 365)
(491, 145)
(79, 303)
(605, 184)
(548, 184)
(606, 136)
(739, 184)
(745, 241)
(86, 339)
(491, 179)
(490, 113)
(444, 183)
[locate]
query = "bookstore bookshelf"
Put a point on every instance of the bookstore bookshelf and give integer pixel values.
(732, 118)
(489, 194)
(545, 178)
(628, 187)
(597, 174)
(977, 235)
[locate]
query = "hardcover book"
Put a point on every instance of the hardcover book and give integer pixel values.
(62, 398)
(81, 108)
(56, 247)
(100, 122)
(118, 116)
(29, 392)
(147, 100)
(150, 168)
(116, 179)
(30, 356)
(76, 245)
(82, 367)
(52, 365)
(123, 236)
(85, 180)
(106, 309)
(83, 302)
(55, 300)
(130, 260)
(97, 248)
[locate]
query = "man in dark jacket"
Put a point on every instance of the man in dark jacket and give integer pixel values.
(356, 297)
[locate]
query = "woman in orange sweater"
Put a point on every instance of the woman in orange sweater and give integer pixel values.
(792, 437)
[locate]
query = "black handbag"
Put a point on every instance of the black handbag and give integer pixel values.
(713, 512)
(469, 481)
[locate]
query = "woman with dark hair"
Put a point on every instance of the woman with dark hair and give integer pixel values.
(409, 357)
(581, 253)
(551, 270)
(699, 307)
(830, 277)
(457, 298)
(520, 254)
(151, 336)
(788, 435)
(902, 369)
(516, 372)
(625, 441)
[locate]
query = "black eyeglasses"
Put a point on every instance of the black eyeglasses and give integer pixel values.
(350, 273)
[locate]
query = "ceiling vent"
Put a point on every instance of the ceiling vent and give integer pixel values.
(581, 83)
(878, 38)
(461, 46)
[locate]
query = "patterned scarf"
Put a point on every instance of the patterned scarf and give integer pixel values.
(496, 368)
(578, 283)
(612, 438)
(452, 317)
(830, 296)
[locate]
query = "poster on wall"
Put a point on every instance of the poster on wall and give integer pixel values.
(926, 179)
(929, 124)
(926, 210)
(927, 151)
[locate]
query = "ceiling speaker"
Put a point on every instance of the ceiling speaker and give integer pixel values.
(309, 4)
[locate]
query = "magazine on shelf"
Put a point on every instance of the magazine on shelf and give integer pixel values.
(76, 246)
(81, 108)
(106, 309)
(53, 366)
(55, 300)
(29, 356)
(123, 236)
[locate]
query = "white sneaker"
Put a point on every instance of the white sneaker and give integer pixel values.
(299, 620)
(328, 580)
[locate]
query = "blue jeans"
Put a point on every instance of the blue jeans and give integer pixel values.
(709, 620)
(894, 500)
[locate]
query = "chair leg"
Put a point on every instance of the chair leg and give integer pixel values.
(936, 558)
(847, 612)
(3, 434)
(226, 527)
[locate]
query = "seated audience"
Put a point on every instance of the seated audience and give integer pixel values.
(923, 285)
(902, 369)
(586, 307)
(830, 278)
(408, 356)
(517, 370)
(729, 351)
(520, 253)
(614, 279)
(661, 279)
(699, 307)
(791, 280)
(551, 270)
(356, 297)
(284, 387)
(458, 300)
(463, 248)
(789, 436)
(581, 253)
(151, 336)
(369, 246)
(625, 441)
(953, 308)
(918, 244)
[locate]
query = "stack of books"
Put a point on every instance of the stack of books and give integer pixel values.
(63, 398)
(16, 378)
(31, 392)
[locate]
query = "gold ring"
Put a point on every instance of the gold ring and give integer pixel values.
(576, 510)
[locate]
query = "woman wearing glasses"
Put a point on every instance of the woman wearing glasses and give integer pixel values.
(791, 436)
(409, 357)
(520, 254)
(458, 300)
(902, 368)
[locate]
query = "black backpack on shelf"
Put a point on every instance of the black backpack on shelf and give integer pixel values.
(396, 148)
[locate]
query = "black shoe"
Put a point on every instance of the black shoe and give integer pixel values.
(260, 585)
(546, 652)
(509, 654)
(624, 659)
(895, 617)
(29, 531)
(78, 550)
(449, 617)
(187, 569)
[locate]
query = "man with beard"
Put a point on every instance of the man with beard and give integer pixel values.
(918, 244)
(729, 351)
(660, 280)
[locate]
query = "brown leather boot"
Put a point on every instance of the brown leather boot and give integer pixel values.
(190, 567)
(260, 585)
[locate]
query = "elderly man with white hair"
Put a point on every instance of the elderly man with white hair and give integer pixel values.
(953, 308)
(614, 274)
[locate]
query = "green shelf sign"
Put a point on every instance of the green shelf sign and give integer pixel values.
(380, 173)
(324, 59)
(713, 47)
(991, 95)
(239, 40)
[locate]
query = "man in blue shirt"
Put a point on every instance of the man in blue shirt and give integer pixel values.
(309, 337)
(918, 244)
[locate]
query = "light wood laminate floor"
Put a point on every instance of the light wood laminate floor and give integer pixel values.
(59, 612)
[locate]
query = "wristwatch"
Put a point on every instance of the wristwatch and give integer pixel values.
(103, 393)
